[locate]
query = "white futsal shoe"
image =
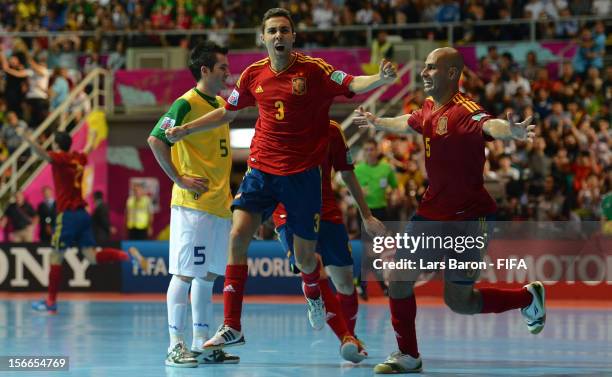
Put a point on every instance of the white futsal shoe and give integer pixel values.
(535, 314)
(224, 337)
(180, 357)
(399, 363)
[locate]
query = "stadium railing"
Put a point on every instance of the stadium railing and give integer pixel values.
(92, 93)
(248, 37)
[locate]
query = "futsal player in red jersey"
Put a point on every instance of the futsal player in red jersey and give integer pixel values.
(454, 130)
(294, 93)
(73, 224)
(333, 244)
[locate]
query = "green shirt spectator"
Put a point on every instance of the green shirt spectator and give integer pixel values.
(375, 177)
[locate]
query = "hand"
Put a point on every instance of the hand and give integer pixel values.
(175, 134)
(374, 227)
(198, 185)
(387, 71)
(365, 119)
(522, 131)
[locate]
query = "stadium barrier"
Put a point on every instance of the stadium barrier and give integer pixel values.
(24, 267)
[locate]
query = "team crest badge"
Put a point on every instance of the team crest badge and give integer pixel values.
(299, 86)
(442, 127)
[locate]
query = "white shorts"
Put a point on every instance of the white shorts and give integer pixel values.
(198, 242)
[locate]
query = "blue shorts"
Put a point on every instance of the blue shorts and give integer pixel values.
(73, 228)
(300, 193)
(477, 227)
(333, 244)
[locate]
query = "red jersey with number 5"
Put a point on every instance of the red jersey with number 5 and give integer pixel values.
(454, 159)
(67, 169)
(291, 130)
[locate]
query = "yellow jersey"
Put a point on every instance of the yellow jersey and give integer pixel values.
(204, 154)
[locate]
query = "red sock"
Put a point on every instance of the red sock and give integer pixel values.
(335, 319)
(350, 305)
(55, 279)
(311, 283)
(495, 300)
(233, 294)
(403, 317)
(110, 255)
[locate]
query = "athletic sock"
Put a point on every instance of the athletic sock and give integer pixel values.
(233, 294)
(110, 255)
(201, 311)
(350, 306)
(177, 300)
(55, 280)
(403, 316)
(333, 311)
(311, 283)
(496, 300)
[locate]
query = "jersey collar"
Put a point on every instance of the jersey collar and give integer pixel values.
(211, 100)
(293, 60)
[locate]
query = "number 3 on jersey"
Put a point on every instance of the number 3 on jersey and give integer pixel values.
(280, 115)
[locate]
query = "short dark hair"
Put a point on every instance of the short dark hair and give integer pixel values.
(63, 140)
(277, 12)
(204, 54)
(98, 195)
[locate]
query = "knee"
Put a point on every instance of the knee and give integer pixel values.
(239, 241)
(457, 304)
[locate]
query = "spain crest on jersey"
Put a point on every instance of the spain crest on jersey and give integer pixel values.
(299, 86)
(442, 127)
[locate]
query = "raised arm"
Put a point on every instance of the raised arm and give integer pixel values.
(396, 125)
(207, 122)
(387, 74)
(509, 130)
(38, 150)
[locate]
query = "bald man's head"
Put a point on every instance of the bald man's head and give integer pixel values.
(442, 72)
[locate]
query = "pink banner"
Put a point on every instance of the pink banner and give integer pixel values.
(147, 87)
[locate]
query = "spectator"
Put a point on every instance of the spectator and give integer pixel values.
(539, 163)
(381, 49)
(22, 218)
(59, 87)
(448, 12)
(116, 59)
(550, 202)
(532, 67)
(100, 219)
(14, 90)
(516, 81)
(589, 54)
(139, 214)
(9, 131)
(46, 212)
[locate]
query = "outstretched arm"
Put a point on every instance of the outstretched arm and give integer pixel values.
(373, 226)
(38, 150)
(209, 121)
(387, 74)
(508, 130)
(395, 125)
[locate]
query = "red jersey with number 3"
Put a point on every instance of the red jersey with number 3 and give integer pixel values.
(291, 130)
(454, 159)
(338, 159)
(67, 169)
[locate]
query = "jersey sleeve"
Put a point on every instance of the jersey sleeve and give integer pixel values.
(339, 151)
(241, 96)
(415, 121)
(472, 122)
(172, 118)
(337, 82)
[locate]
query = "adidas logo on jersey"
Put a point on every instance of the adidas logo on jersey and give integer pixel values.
(229, 288)
(259, 89)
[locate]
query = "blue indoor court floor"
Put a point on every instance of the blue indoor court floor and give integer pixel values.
(115, 339)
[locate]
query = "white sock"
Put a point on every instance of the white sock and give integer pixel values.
(201, 310)
(177, 300)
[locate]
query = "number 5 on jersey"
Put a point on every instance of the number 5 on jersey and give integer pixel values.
(427, 147)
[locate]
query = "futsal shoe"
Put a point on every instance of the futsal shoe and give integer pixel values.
(214, 357)
(352, 350)
(398, 363)
(535, 314)
(138, 258)
(316, 311)
(225, 337)
(180, 357)
(42, 306)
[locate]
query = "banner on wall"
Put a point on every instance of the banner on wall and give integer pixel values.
(25, 267)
